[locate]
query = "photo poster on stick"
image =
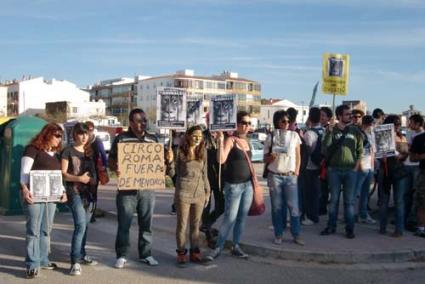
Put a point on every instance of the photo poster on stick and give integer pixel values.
(383, 137)
(335, 73)
(171, 108)
(195, 110)
(223, 113)
(46, 186)
(141, 166)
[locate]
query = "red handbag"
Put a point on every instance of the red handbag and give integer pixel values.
(102, 173)
(258, 207)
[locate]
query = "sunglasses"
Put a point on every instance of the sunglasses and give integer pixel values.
(59, 136)
(246, 123)
(141, 121)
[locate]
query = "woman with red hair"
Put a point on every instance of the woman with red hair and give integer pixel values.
(41, 154)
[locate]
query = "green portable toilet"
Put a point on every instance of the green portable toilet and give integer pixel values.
(14, 136)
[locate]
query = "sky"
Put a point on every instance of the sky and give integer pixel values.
(278, 43)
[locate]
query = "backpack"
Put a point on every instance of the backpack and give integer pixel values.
(316, 156)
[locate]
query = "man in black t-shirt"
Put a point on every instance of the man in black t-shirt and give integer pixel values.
(130, 201)
(417, 154)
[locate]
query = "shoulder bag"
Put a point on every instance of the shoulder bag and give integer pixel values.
(258, 206)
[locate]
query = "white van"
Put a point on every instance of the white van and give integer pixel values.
(105, 138)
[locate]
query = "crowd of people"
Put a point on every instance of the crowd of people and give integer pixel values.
(306, 171)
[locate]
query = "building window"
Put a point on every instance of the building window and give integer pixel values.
(74, 110)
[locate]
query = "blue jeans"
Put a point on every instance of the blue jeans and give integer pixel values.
(345, 180)
(399, 188)
(128, 202)
(79, 214)
(364, 178)
(38, 227)
(284, 195)
(237, 201)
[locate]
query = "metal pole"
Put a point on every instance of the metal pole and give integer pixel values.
(333, 105)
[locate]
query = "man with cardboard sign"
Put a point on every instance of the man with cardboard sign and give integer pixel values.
(138, 161)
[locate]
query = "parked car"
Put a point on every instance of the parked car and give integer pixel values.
(260, 136)
(105, 138)
(257, 150)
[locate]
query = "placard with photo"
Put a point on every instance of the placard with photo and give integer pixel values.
(195, 110)
(46, 186)
(171, 108)
(383, 137)
(223, 113)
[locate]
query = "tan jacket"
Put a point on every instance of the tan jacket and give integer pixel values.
(192, 184)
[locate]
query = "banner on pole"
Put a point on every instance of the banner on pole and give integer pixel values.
(335, 71)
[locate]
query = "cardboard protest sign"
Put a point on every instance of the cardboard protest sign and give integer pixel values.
(195, 110)
(171, 108)
(141, 166)
(335, 71)
(383, 137)
(223, 113)
(46, 186)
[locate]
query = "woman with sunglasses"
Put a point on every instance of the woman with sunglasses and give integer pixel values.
(282, 154)
(395, 177)
(79, 172)
(238, 192)
(192, 191)
(40, 154)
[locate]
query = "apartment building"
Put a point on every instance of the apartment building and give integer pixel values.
(248, 92)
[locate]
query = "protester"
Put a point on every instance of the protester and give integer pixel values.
(192, 192)
(176, 140)
(417, 154)
(356, 117)
(129, 201)
(42, 153)
(238, 191)
(416, 122)
(365, 173)
(209, 218)
(313, 140)
(282, 154)
(378, 116)
(325, 118)
(395, 177)
(98, 153)
(343, 147)
(78, 169)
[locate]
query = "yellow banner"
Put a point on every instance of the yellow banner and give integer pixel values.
(335, 73)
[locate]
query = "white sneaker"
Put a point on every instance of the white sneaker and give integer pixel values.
(367, 220)
(87, 260)
(307, 222)
(277, 240)
(120, 262)
(75, 269)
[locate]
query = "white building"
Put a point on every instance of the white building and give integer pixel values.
(267, 111)
(3, 101)
(81, 111)
(30, 96)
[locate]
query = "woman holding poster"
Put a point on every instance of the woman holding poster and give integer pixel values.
(395, 177)
(192, 191)
(40, 154)
(238, 191)
(79, 172)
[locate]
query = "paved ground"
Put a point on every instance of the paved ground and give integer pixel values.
(268, 263)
